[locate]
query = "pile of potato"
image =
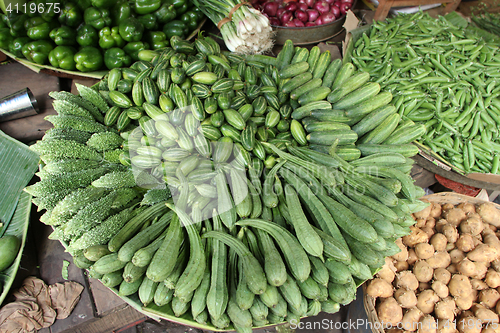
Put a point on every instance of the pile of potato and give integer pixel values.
(447, 276)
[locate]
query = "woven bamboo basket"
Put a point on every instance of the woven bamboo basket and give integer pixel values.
(441, 198)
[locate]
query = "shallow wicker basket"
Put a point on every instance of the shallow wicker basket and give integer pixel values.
(441, 198)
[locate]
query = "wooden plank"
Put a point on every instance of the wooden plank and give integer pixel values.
(16, 77)
(110, 323)
(104, 299)
(50, 260)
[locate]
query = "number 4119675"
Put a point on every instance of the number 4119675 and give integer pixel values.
(33, 7)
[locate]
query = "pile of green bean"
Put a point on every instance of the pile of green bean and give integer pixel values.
(441, 78)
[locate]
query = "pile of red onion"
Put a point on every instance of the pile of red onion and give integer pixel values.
(302, 13)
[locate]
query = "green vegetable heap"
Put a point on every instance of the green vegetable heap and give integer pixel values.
(444, 79)
(92, 34)
(183, 179)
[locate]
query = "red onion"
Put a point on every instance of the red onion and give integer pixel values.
(302, 6)
(322, 7)
(292, 6)
(303, 1)
(301, 15)
(289, 24)
(310, 24)
(313, 14)
(337, 3)
(344, 8)
(279, 12)
(274, 21)
(287, 16)
(329, 1)
(326, 18)
(298, 23)
(310, 3)
(271, 8)
(347, 1)
(255, 3)
(335, 10)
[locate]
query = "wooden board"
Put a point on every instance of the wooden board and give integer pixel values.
(16, 77)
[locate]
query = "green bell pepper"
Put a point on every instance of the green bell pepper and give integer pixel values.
(97, 17)
(149, 21)
(5, 38)
(16, 46)
(131, 29)
(87, 35)
(49, 14)
(37, 51)
(88, 59)
(32, 8)
(64, 36)
(176, 3)
(156, 39)
(120, 12)
(133, 49)
(142, 7)
(71, 15)
(16, 24)
(190, 19)
(110, 37)
(84, 4)
(103, 3)
(175, 28)
(166, 13)
(116, 58)
(63, 57)
(182, 9)
(37, 28)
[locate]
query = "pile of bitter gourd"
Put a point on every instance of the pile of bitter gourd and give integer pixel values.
(183, 183)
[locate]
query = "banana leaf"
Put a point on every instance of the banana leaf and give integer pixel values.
(17, 166)
(18, 226)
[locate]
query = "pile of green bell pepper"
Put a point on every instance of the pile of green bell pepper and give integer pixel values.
(89, 35)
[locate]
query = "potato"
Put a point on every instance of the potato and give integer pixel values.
(484, 315)
(406, 298)
(491, 329)
(469, 325)
(460, 285)
(389, 311)
(464, 302)
(439, 259)
(401, 266)
(424, 213)
(446, 206)
(411, 319)
(488, 230)
(435, 210)
(478, 284)
(440, 289)
(483, 252)
(495, 264)
(465, 243)
(456, 256)
(423, 286)
(443, 275)
(449, 247)
(480, 270)
(428, 231)
(488, 298)
(423, 271)
(467, 207)
(446, 326)
(424, 250)
(472, 225)
(454, 216)
(426, 301)
(412, 257)
(379, 288)
(427, 324)
(478, 240)
(466, 267)
(430, 222)
(450, 232)
(420, 223)
(492, 278)
(445, 309)
(452, 268)
(492, 240)
(489, 213)
(406, 279)
(386, 272)
(439, 242)
(403, 255)
(417, 236)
